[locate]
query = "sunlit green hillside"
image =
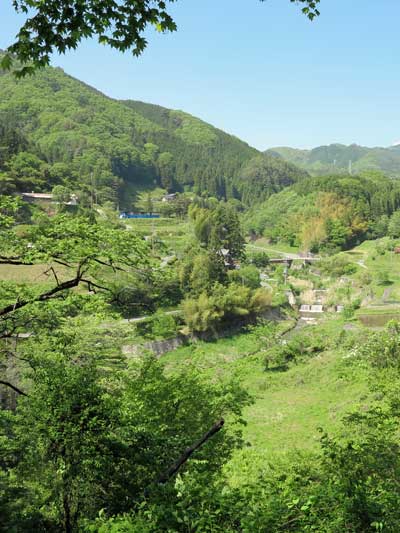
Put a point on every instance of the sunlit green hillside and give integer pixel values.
(57, 130)
(339, 158)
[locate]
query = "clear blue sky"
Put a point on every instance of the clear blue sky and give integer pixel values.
(262, 71)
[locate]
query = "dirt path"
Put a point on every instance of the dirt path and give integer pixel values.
(286, 255)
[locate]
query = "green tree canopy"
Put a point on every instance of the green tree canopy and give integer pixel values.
(61, 194)
(394, 225)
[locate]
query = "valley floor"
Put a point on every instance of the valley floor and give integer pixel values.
(289, 406)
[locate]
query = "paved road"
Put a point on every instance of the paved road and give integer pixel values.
(142, 318)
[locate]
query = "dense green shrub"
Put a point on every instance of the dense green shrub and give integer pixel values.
(382, 278)
(381, 349)
(159, 326)
(305, 343)
(350, 308)
(365, 278)
(247, 275)
(337, 266)
(223, 304)
(133, 299)
(260, 259)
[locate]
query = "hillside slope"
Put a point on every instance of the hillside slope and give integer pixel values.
(203, 156)
(70, 133)
(327, 213)
(252, 179)
(55, 129)
(263, 175)
(335, 158)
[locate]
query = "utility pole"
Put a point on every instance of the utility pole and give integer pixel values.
(92, 192)
(152, 236)
(350, 167)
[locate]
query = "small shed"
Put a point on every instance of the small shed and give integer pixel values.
(169, 197)
(33, 197)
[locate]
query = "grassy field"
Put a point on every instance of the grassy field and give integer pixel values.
(32, 273)
(372, 258)
(290, 406)
(175, 233)
(382, 310)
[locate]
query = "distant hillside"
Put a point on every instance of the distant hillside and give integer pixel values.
(203, 156)
(335, 159)
(55, 130)
(264, 175)
(328, 213)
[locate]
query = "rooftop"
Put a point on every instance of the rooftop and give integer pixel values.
(42, 195)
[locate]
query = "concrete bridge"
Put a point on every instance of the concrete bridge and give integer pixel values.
(289, 260)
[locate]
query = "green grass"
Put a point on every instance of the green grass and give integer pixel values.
(269, 248)
(383, 310)
(31, 273)
(291, 406)
(375, 264)
(173, 232)
(288, 406)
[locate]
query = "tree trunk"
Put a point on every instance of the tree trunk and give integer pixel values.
(67, 514)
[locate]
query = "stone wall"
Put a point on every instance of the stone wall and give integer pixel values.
(160, 347)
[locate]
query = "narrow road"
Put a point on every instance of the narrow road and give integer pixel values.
(143, 318)
(286, 255)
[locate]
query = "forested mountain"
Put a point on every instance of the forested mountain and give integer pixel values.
(338, 158)
(263, 175)
(327, 213)
(55, 130)
(194, 153)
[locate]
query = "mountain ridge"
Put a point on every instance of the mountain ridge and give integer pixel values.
(55, 129)
(340, 158)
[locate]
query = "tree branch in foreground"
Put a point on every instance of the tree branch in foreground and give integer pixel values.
(71, 283)
(173, 469)
(13, 387)
(13, 261)
(42, 297)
